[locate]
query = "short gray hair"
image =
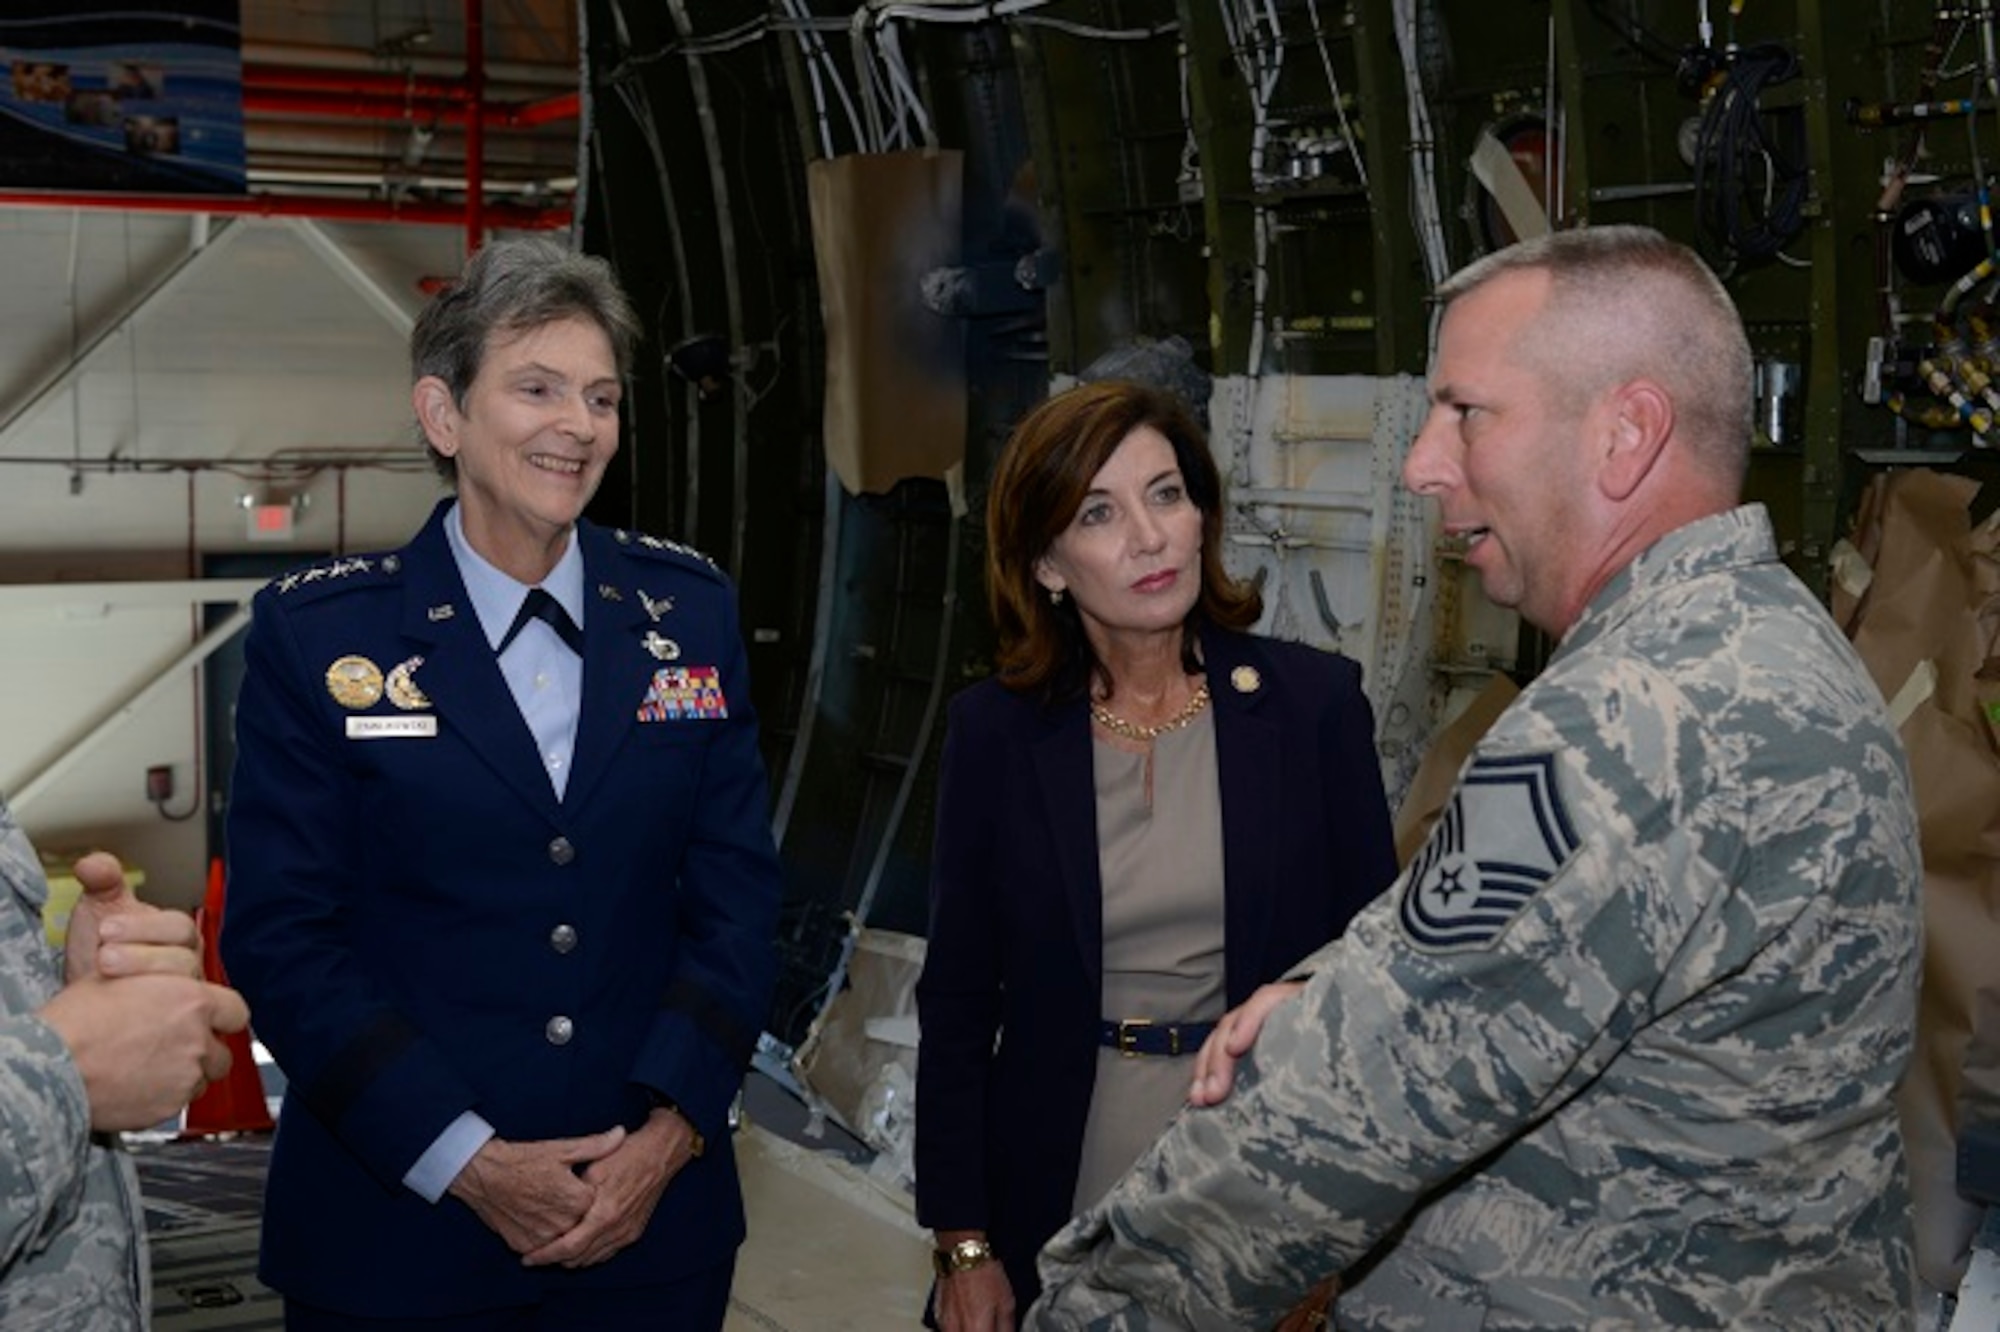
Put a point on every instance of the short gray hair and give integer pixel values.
(513, 286)
(1626, 302)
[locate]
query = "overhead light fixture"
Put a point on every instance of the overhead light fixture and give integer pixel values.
(407, 41)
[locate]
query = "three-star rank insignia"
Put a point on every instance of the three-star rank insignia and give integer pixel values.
(1504, 835)
(354, 682)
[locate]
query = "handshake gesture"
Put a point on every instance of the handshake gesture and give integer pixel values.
(142, 1025)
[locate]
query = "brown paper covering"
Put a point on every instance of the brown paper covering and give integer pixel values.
(895, 368)
(1930, 598)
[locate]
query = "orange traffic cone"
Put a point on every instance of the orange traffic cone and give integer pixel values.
(235, 1104)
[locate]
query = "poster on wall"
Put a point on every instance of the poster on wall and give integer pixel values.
(122, 95)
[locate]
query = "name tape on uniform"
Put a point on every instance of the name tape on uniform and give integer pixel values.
(392, 728)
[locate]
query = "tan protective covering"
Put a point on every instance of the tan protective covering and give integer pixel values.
(1913, 594)
(895, 369)
(1437, 774)
(859, 1061)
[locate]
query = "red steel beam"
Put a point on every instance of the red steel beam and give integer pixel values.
(526, 115)
(378, 106)
(302, 78)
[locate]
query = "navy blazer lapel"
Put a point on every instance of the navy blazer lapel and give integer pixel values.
(459, 673)
(616, 665)
(1248, 754)
(1064, 772)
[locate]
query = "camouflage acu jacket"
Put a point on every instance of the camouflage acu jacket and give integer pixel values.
(1617, 1049)
(72, 1236)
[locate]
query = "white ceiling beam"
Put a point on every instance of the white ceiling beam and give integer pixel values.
(132, 705)
(91, 597)
(335, 256)
(201, 255)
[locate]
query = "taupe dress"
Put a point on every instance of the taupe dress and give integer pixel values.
(1161, 866)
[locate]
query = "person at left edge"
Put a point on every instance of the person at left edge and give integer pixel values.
(506, 906)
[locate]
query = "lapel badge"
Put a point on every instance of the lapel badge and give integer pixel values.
(655, 608)
(609, 593)
(354, 682)
(1245, 680)
(663, 649)
(402, 689)
(444, 612)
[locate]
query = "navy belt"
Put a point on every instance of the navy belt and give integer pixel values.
(1143, 1036)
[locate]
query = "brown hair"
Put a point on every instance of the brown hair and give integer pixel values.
(1043, 475)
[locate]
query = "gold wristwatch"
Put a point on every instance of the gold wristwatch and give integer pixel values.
(961, 1257)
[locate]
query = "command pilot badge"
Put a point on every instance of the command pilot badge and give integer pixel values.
(354, 682)
(1504, 835)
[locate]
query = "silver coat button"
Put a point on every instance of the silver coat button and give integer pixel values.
(562, 938)
(559, 1030)
(561, 852)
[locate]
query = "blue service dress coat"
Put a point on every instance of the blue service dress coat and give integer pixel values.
(422, 928)
(1008, 999)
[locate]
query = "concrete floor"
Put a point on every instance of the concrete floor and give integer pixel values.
(830, 1250)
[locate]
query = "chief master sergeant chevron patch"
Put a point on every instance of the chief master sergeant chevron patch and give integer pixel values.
(1505, 834)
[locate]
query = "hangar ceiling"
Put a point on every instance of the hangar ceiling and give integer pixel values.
(173, 356)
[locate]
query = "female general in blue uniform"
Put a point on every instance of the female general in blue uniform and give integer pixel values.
(1143, 816)
(502, 891)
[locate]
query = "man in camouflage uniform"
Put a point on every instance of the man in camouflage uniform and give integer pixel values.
(124, 1044)
(1617, 1049)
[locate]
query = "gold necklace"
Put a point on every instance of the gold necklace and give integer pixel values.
(1117, 725)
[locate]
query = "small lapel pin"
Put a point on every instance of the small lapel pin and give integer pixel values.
(437, 613)
(1245, 680)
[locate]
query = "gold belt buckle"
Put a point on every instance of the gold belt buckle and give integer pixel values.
(1128, 1036)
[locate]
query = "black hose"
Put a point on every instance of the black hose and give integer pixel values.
(1750, 174)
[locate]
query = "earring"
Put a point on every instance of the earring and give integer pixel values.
(1055, 596)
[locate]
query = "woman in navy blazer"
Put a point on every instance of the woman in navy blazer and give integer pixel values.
(1121, 640)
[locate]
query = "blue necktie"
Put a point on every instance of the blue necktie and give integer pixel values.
(539, 605)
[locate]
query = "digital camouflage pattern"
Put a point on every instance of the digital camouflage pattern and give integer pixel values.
(1617, 1049)
(72, 1235)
